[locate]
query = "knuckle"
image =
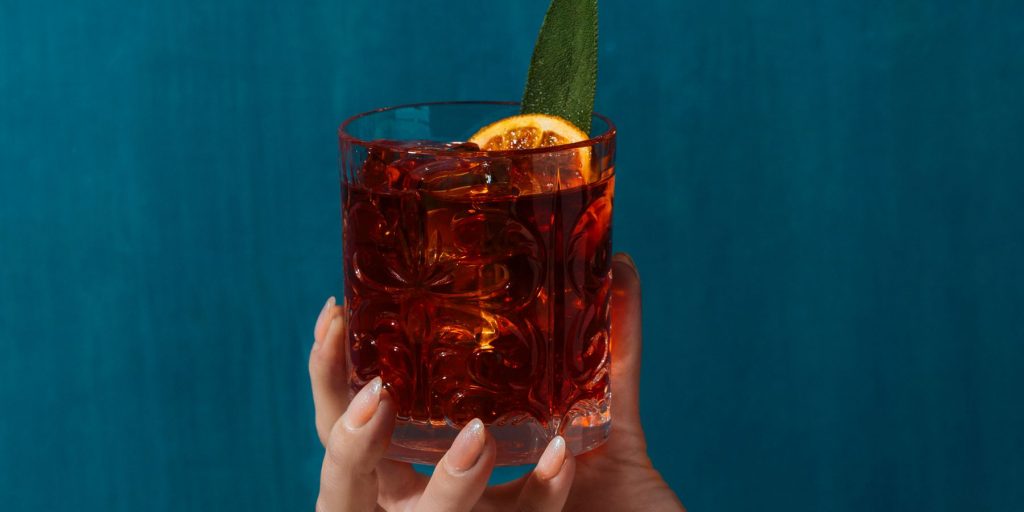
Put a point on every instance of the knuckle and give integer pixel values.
(315, 362)
(319, 363)
(337, 448)
(330, 474)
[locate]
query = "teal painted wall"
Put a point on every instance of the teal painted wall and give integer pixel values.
(825, 199)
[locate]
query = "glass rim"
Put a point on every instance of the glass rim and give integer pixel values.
(345, 136)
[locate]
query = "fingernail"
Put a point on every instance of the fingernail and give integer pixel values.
(627, 260)
(334, 326)
(326, 337)
(322, 317)
(363, 405)
(550, 463)
(466, 449)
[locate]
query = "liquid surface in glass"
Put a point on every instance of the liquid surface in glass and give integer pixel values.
(479, 288)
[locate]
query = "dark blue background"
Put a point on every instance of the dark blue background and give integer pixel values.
(825, 199)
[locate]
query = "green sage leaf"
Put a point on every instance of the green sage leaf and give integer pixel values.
(563, 71)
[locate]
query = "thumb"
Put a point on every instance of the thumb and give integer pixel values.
(625, 344)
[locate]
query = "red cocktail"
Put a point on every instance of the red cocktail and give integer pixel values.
(477, 283)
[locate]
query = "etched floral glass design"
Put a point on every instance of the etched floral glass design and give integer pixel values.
(477, 284)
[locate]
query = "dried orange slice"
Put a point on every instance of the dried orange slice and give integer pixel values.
(530, 131)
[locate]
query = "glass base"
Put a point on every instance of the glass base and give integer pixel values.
(585, 428)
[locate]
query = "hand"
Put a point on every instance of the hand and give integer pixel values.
(615, 476)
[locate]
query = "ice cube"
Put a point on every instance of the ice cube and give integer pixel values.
(462, 147)
(446, 174)
(475, 179)
(389, 163)
(552, 172)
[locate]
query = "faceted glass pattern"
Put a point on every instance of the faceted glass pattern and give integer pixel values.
(477, 284)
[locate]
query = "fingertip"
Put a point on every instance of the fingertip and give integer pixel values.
(326, 313)
(488, 456)
(321, 360)
(384, 419)
(364, 405)
(548, 486)
(462, 475)
(324, 358)
(550, 463)
(360, 436)
(625, 259)
(333, 331)
(625, 275)
(626, 309)
(468, 448)
(328, 377)
(336, 310)
(388, 406)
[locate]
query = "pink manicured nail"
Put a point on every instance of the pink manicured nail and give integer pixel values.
(363, 405)
(466, 449)
(322, 317)
(550, 463)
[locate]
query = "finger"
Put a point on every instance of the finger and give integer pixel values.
(348, 480)
(461, 476)
(548, 486)
(323, 320)
(400, 485)
(399, 482)
(327, 375)
(626, 341)
(502, 496)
